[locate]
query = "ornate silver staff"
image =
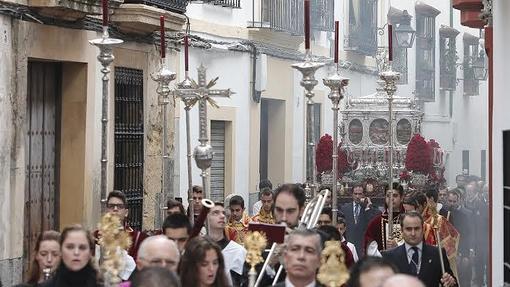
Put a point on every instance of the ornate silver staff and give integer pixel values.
(163, 77)
(189, 100)
(202, 91)
(308, 69)
(390, 79)
(105, 57)
(336, 83)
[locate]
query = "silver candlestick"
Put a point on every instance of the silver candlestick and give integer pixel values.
(189, 101)
(202, 91)
(308, 69)
(336, 83)
(390, 79)
(105, 45)
(163, 77)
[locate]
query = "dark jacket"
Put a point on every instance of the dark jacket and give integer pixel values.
(355, 231)
(86, 277)
(430, 268)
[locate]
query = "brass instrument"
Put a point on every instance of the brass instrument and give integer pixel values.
(197, 226)
(308, 220)
(46, 273)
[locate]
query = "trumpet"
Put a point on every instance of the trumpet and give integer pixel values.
(46, 273)
(207, 204)
(309, 219)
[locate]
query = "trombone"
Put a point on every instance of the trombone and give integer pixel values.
(308, 220)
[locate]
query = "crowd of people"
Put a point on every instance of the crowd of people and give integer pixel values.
(428, 240)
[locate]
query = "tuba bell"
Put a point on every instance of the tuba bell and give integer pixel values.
(207, 204)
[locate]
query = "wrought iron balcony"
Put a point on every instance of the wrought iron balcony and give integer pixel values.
(177, 6)
(362, 36)
(224, 3)
(70, 10)
(287, 15)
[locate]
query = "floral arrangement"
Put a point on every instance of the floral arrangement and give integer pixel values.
(324, 154)
(342, 164)
(419, 155)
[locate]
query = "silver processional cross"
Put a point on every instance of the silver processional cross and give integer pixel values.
(202, 93)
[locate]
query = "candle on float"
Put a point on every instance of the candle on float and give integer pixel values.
(337, 24)
(186, 53)
(162, 36)
(307, 24)
(105, 12)
(390, 42)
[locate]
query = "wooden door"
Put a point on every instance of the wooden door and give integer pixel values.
(41, 181)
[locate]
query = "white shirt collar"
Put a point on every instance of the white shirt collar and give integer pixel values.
(289, 284)
(419, 245)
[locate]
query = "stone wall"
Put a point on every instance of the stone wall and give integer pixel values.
(12, 109)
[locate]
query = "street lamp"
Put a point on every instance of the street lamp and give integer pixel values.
(479, 67)
(404, 33)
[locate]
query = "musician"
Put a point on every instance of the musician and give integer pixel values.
(46, 258)
(417, 258)
(376, 236)
(116, 203)
(238, 219)
(302, 258)
(265, 183)
(289, 203)
(265, 215)
(177, 228)
(233, 253)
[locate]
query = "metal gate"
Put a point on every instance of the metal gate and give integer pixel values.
(129, 132)
(42, 148)
(218, 162)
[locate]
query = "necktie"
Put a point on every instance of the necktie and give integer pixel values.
(414, 260)
(356, 213)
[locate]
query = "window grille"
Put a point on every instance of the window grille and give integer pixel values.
(448, 58)
(471, 87)
(425, 52)
(362, 36)
(129, 134)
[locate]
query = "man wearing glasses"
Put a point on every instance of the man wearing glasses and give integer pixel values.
(116, 203)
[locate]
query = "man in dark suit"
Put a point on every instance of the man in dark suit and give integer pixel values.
(357, 214)
(416, 258)
(463, 220)
(302, 258)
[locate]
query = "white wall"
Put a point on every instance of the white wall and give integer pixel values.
(233, 70)
(501, 122)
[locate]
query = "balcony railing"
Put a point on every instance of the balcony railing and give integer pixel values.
(323, 16)
(287, 15)
(224, 3)
(177, 6)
